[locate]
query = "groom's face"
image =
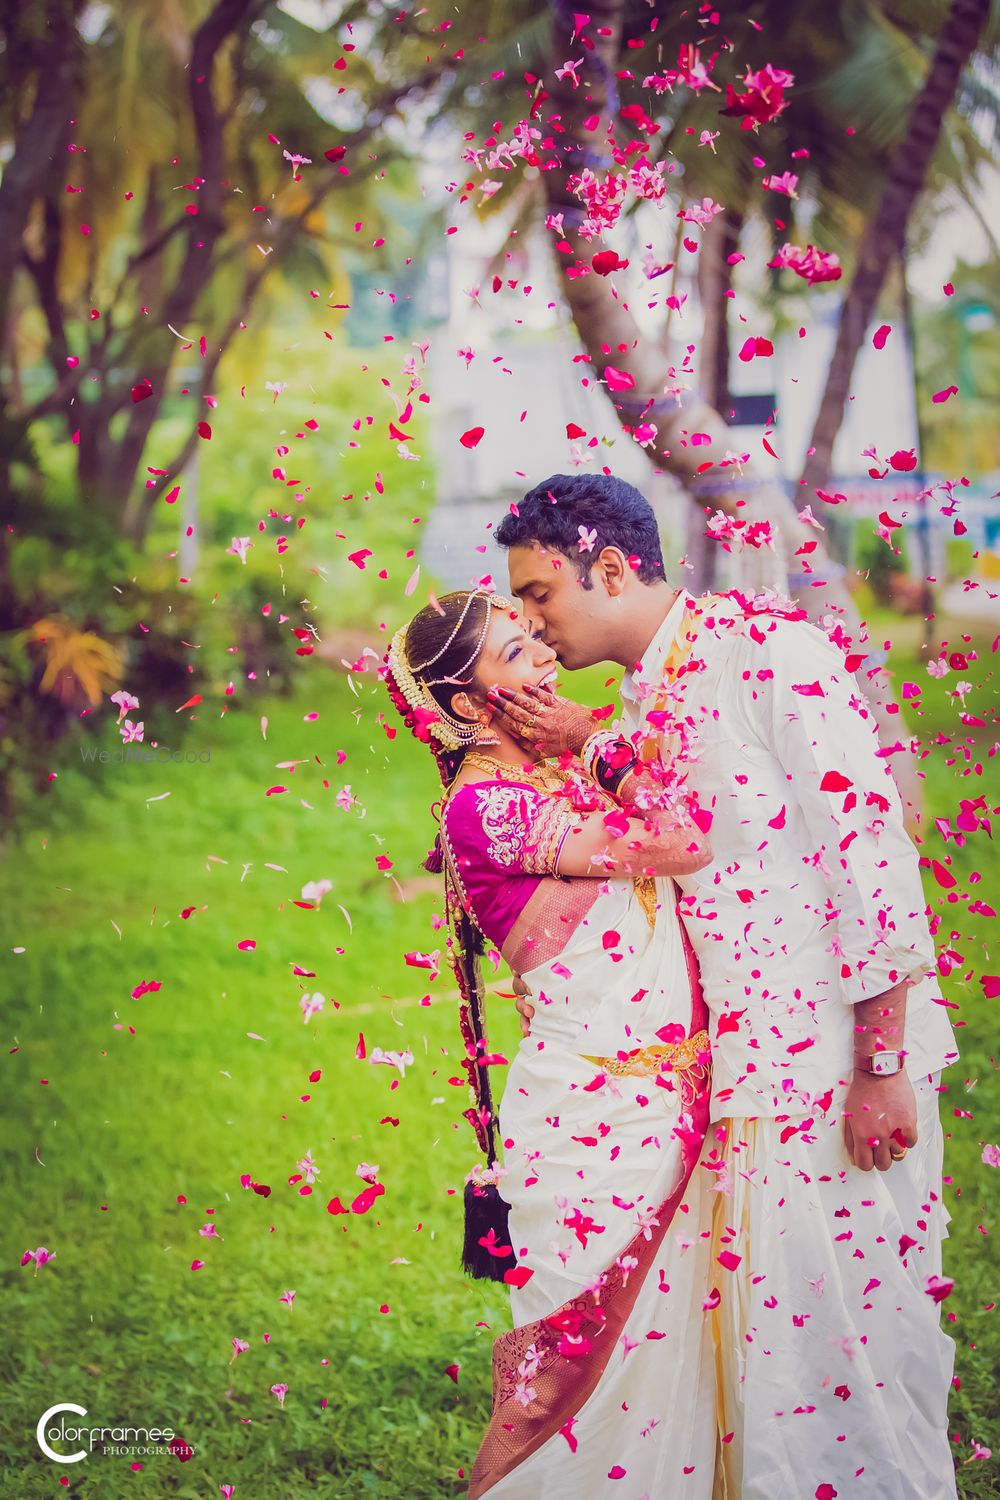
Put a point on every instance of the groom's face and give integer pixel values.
(573, 620)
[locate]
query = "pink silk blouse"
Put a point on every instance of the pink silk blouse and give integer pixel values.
(502, 838)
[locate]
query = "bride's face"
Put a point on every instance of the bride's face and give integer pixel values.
(513, 656)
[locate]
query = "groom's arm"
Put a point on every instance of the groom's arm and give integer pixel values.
(880, 1114)
(826, 740)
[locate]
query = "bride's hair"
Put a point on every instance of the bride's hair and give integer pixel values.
(443, 640)
(445, 636)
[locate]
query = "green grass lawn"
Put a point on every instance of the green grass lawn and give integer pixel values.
(131, 1121)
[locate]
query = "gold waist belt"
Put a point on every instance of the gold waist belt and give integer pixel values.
(647, 1062)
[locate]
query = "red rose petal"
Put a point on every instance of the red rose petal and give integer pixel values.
(365, 1199)
(518, 1276)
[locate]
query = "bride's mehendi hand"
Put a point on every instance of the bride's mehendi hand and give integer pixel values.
(541, 719)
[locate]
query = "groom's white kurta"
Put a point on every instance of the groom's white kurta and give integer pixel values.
(833, 1370)
(813, 898)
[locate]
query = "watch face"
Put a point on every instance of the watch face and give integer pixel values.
(885, 1063)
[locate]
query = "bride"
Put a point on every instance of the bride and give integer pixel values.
(607, 1374)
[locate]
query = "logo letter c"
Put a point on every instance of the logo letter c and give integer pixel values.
(59, 1458)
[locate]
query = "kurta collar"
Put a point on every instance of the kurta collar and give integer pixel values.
(648, 673)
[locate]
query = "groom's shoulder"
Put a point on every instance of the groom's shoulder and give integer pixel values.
(765, 630)
(740, 613)
(768, 603)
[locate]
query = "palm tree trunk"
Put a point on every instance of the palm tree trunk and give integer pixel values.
(40, 140)
(884, 239)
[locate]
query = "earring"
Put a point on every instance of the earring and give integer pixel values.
(486, 736)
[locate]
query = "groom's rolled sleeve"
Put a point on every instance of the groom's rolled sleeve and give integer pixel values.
(827, 742)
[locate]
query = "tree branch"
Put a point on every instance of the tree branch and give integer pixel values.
(44, 272)
(884, 238)
(153, 247)
(204, 228)
(38, 140)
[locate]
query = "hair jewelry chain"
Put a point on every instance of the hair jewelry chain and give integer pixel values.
(459, 678)
(451, 732)
(422, 667)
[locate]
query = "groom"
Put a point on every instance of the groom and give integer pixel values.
(828, 1030)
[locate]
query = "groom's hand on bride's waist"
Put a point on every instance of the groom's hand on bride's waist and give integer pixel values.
(542, 719)
(524, 1004)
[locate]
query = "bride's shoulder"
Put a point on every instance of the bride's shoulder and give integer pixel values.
(485, 799)
(468, 789)
(458, 792)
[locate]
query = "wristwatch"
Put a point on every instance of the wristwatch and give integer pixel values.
(879, 1064)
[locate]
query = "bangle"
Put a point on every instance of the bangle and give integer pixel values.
(608, 758)
(557, 856)
(592, 747)
(610, 778)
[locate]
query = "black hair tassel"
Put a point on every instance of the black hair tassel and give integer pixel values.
(486, 1218)
(487, 1214)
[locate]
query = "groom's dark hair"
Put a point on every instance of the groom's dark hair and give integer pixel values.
(554, 511)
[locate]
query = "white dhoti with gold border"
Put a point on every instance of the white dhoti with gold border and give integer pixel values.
(833, 1368)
